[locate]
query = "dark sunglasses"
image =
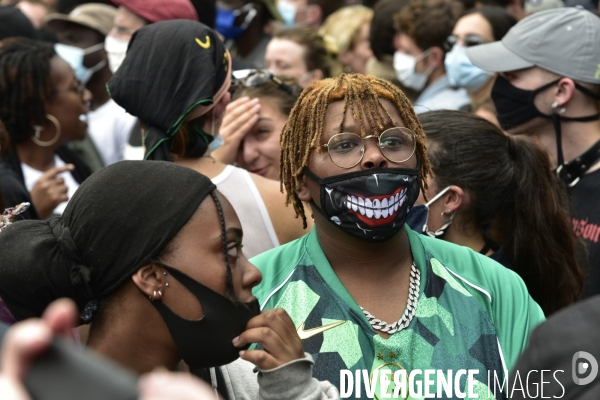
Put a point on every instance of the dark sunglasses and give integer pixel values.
(260, 77)
(469, 40)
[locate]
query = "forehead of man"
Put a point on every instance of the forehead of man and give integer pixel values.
(359, 119)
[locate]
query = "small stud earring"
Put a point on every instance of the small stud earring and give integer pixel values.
(164, 272)
(167, 284)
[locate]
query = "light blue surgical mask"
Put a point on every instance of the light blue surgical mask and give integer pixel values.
(462, 72)
(74, 57)
(288, 12)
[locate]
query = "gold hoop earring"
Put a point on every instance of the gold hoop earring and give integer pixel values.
(38, 130)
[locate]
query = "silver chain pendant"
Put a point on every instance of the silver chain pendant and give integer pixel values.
(409, 311)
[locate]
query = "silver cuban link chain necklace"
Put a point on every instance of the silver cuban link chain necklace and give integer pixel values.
(409, 311)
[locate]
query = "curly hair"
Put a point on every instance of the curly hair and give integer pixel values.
(362, 95)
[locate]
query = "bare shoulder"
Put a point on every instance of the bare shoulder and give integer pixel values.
(283, 217)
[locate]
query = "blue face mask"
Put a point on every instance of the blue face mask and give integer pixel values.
(462, 72)
(288, 12)
(225, 21)
(418, 215)
(74, 57)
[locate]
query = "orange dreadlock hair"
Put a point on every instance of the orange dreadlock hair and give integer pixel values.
(362, 94)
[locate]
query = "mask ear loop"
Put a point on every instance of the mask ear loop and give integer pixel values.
(442, 230)
(557, 129)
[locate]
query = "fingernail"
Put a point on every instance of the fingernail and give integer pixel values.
(242, 353)
(235, 339)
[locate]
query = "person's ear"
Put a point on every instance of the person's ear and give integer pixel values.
(310, 77)
(150, 279)
(314, 14)
(317, 74)
(436, 57)
(564, 92)
(454, 198)
(397, 41)
(304, 193)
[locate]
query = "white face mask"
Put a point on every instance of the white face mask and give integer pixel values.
(404, 65)
(115, 49)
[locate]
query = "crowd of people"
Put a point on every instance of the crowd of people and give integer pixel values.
(264, 197)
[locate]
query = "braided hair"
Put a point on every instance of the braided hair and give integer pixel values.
(229, 282)
(25, 85)
(360, 93)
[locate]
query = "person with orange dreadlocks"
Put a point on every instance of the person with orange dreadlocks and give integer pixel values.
(354, 150)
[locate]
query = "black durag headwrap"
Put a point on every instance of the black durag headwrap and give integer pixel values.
(173, 72)
(119, 219)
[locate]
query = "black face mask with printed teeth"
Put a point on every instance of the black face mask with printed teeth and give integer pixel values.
(370, 205)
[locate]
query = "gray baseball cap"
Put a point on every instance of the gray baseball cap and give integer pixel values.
(565, 41)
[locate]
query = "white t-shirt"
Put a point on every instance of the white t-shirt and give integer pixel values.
(33, 175)
(109, 127)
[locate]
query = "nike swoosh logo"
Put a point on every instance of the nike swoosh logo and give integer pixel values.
(305, 334)
(204, 45)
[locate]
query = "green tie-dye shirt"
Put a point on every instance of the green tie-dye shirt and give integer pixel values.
(472, 313)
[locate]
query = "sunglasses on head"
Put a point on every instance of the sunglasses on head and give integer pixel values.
(259, 77)
(469, 40)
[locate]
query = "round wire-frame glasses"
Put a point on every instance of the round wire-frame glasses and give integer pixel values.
(346, 150)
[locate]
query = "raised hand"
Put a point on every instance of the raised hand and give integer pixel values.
(50, 190)
(240, 116)
(275, 330)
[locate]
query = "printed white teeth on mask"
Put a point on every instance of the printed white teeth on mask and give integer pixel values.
(376, 208)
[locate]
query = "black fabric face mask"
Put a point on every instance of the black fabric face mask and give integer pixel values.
(207, 342)
(370, 205)
(515, 106)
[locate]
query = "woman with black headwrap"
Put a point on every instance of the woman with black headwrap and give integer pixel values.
(175, 79)
(151, 253)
